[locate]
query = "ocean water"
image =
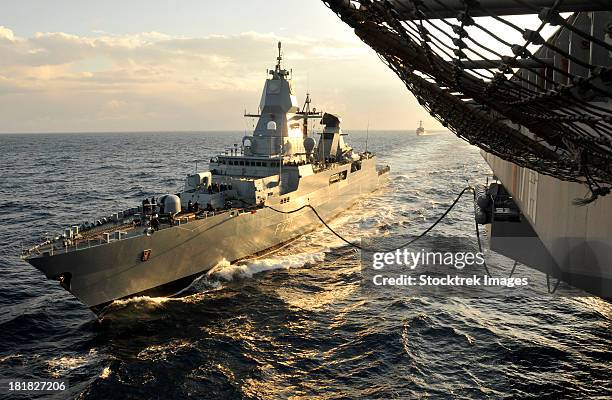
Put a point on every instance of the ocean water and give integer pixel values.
(294, 324)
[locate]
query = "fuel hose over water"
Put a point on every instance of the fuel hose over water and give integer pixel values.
(423, 234)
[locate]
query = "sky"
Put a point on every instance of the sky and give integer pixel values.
(191, 65)
(85, 66)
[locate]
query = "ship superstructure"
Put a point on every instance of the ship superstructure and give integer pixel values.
(238, 207)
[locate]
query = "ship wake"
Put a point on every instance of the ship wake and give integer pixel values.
(227, 272)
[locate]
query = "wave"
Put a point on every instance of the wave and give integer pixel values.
(142, 299)
(60, 366)
(227, 272)
(224, 271)
(106, 372)
(163, 351)
(6, 358)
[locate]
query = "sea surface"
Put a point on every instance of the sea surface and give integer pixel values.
(294, 324)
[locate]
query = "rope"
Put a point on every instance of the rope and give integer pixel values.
(374, 250)
(513, 268)
(554, 289)
(484, 264)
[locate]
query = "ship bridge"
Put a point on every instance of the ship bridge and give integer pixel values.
(278, 130)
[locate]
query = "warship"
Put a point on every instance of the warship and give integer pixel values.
(254, 197)
(420, 131)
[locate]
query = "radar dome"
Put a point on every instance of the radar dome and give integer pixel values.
(309, 145)
(171, 203)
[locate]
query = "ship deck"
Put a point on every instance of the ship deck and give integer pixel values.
(111, 231)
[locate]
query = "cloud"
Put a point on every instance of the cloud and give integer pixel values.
(6, 34)
(150, 79)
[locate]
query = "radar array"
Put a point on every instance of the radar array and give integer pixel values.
(541, 104)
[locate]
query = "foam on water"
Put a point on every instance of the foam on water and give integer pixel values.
(142, 299)
(224, 271)
(148, 302)
(163, 351)
(106, 372)
(228, 272)
(62, 365)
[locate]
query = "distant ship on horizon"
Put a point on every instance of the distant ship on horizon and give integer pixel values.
(420, 131)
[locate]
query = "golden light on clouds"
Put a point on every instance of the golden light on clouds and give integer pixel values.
(153, 81)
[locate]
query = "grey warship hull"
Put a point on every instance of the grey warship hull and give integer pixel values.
(252, 198)
(177, 255)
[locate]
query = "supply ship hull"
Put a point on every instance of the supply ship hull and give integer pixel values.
(179, 254)
(539, 110)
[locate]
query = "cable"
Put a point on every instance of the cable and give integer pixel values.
(484, 262)
(513, 268)
(373, 250)
(425, 232)
(554, 289)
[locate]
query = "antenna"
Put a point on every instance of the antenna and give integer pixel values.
(306, 113)
(280, 57)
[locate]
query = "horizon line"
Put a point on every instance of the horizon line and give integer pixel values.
(185, 131)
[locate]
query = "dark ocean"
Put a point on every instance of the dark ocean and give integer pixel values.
(295, 324)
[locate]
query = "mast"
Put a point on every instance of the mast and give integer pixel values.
(306, 113)
(279, 58)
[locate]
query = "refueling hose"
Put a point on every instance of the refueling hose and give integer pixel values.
(424, 233)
